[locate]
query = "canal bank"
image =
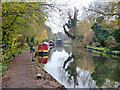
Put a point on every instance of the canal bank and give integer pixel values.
(23, 72)
(103, 50)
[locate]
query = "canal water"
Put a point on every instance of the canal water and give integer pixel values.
(80, 68)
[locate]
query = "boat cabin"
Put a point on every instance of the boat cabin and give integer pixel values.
(43, 49)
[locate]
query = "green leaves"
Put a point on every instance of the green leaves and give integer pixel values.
(116, 35)
(2, 67)
(18, 19)
(100, 33)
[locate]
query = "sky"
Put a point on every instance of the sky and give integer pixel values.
(55, 21)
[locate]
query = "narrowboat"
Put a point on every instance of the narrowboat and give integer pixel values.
(59, 42)
(43, 49)
(51, 43)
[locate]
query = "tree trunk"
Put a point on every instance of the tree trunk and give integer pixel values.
(68, 34)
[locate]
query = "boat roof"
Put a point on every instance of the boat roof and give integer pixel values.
(42, 46)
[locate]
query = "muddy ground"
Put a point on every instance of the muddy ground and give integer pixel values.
(24, 73)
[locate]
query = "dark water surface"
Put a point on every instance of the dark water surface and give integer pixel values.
(78, 68)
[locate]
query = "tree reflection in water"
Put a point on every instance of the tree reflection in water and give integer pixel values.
(71, 69)
(71, 65)
(82, 69)
(91, 70)
(107, 69)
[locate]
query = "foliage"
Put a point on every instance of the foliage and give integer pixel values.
(40, 33)
(110, 43)
(83, 29)
(88, 38)
(50, 35)
(116, 35)
(106, 19)
(2, 68)
(19, 20)
(100, 34)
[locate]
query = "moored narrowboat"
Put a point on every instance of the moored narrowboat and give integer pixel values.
(43, 49)
(51, 43)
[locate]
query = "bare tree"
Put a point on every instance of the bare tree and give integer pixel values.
(105, 9)
(71, 25)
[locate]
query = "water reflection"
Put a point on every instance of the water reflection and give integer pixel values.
(42, 59)
(71, 70)
(78, 68)
(106, 71)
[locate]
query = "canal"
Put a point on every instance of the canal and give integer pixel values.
(79, 68)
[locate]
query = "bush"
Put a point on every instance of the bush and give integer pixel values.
(116, 35)
(96, 44)
(106, 51)
(118, 47)
(26, 44)
(111, 42)
(112, 48)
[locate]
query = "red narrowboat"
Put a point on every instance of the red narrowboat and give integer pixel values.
(43, 49)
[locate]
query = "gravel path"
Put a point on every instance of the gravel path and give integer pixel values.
(22, 73)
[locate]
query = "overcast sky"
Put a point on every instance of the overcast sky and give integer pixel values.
(56, 21)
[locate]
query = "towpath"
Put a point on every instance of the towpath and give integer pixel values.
(22, 73)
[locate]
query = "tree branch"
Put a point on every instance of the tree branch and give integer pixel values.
(68, 34)
(12, 13)
(11, 23)
(105, 14)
